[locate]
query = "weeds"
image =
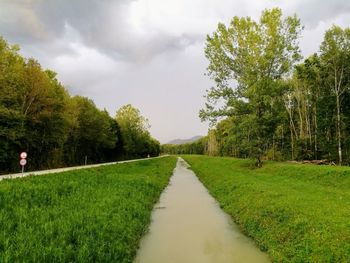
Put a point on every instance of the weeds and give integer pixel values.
(90, 215)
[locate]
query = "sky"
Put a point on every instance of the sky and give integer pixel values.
(149, 53)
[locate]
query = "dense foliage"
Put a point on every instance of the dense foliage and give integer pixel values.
(137, 140)
(297, 213)
(197, 147)
(88, 215)
(264, 105)
(205, 145)
(37, 115)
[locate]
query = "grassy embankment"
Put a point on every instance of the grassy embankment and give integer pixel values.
(297, 213)
(88, 215)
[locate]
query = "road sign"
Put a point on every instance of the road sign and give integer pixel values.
(23, 155)
(23, 162)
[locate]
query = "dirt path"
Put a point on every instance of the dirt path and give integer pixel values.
(59, 170)
(188, 226)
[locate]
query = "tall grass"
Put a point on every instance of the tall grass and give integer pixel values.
(297, 213)
(90, 215)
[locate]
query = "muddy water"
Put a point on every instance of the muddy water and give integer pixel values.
(188, 226)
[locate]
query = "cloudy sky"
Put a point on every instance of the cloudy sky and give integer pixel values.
(145, 52)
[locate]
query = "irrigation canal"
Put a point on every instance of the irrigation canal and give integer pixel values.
(188, 226)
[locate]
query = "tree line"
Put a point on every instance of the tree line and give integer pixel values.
(269, 104)
(38, 116)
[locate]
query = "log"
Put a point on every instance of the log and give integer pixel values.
(318, 162)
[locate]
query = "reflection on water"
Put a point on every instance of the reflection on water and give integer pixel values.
(188, 226)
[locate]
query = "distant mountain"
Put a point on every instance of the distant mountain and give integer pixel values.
(182, 141)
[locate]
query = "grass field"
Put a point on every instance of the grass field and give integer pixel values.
(297, 213)
(89, 215)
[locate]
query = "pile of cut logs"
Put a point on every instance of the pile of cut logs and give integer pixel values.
(318, 162)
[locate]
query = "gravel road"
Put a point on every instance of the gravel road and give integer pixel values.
(59, 170)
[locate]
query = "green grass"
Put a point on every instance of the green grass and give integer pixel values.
(297, 213)
(89, 215)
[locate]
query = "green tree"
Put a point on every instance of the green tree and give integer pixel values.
(37, 115)
(307, 93)
(92, 133)
(253, 57)
(43, 108)
(11, 117)
(196, 147)
(335, 55)
(134, 131)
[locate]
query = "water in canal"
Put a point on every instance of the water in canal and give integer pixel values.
(188, 226)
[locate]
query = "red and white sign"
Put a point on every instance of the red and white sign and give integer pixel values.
(23, 155)
(23, 162)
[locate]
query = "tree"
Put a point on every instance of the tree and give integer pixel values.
(252, 56)
(43, 107)
(196, 147)
(212, 143)
(135, 135)
(37, 115)
(307, 76)
(335, 54)
(92, 133)
(11, 117)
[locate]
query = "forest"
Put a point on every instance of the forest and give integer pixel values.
(268, 103)
(40, 117)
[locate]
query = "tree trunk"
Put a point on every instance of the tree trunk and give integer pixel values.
(292, 142)
(339, 130)
(273, 147)
(315, 116)
(301, 122)
(258, 162)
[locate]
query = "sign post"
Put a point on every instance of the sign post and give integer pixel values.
(23, 160)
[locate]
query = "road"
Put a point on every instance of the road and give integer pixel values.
(59, 170)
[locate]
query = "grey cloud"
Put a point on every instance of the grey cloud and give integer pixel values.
(312, 12)
(103, 24)
(100, 24)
